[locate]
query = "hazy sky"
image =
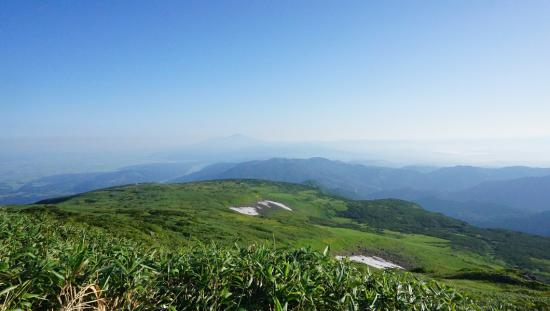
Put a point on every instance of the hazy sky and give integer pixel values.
(282, 70)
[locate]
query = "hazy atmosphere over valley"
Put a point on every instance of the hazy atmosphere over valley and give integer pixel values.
(288, 155)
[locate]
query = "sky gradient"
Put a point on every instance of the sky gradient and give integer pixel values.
(182, 71)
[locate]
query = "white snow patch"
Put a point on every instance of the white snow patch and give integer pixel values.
(247, 210)
(281, 205)
(372, 261)
(255, 210)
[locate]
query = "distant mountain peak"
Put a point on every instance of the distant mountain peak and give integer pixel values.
(228, 142)
(240, 136)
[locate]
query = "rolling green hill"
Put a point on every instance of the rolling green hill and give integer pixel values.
(182, 215)
(487, 197)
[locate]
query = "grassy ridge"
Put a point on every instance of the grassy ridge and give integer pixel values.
(177, 214)
(46, 264)
(182, 215)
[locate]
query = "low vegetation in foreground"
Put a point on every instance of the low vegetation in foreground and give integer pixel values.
(47, 265)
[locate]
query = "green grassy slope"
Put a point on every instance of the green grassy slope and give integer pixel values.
(48, 264)
(179, 214)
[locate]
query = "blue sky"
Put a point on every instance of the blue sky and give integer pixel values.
(182, 71)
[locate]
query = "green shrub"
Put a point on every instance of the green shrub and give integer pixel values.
(46, 264)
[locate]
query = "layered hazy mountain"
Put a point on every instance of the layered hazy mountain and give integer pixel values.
(367, 180)
(239, 148)
(68, 184)
(508, 197)
(530, 194)
(355, 180)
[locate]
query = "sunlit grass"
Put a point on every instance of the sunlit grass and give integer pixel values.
(45, 265)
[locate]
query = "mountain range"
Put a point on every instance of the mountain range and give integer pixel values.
(509, 197)
(491, 197)
(68, 184)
